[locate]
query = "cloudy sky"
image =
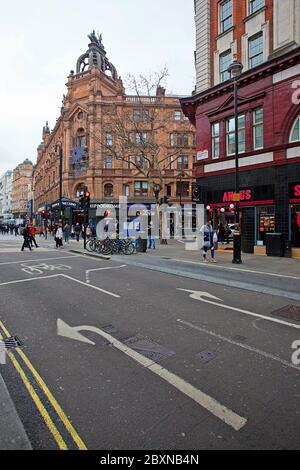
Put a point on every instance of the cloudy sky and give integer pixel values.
(41, 41)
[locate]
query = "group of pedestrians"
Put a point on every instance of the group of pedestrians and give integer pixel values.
(29, 233)
(211, 238)
(9, 229)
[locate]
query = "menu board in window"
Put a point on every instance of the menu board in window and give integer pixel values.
(266, 222)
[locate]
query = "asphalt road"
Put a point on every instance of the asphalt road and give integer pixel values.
(163, 369)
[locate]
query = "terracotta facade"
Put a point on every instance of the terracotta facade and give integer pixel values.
(83, 122)
(22, 189)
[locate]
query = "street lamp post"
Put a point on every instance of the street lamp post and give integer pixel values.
(59, 146)
(235, 69)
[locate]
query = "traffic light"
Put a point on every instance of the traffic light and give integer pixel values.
(87, 199)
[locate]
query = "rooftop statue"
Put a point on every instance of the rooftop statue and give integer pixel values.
(96, 39)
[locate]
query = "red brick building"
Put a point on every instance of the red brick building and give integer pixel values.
(86, 130)
(265, 37)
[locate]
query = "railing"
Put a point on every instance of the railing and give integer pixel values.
(140, 99)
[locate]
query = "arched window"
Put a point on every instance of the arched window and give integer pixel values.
(108, 190)
(295, 134)
(79, 190)
(81, 138)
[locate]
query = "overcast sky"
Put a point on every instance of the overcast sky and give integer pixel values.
(40, 43)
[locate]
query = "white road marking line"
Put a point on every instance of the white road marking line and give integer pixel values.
(106, 269)
(210, 404)
(38, 260)
(88, 271)
(235, 269)
(240, 345)
(28, 280)
(197, 295)
(62, 275)
(91, 286)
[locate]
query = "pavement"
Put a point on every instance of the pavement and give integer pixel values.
(12, 435)
(138, 353)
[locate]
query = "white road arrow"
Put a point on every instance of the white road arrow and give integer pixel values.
(204, 296)
(72, 332)
(210, 404)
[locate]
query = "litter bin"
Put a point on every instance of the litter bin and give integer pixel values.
(275, 244)
(141, 245)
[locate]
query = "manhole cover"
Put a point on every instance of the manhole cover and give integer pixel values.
(206, 356)
(292, 312)
(149, 348)
(12, 343)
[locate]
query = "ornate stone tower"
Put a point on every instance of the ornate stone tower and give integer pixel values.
(96, 57)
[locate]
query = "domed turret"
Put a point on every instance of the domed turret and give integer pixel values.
(96, 57)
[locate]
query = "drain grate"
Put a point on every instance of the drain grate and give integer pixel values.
(239, 338)
(292, 312)
(206, 356)
(149, 348)
(12, 343)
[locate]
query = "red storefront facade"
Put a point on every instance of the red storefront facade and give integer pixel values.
(269, 161)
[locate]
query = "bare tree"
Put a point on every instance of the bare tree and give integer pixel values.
(138, 133)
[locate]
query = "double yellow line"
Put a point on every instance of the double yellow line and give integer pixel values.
(46, 393)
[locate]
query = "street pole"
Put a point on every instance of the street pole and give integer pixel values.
(236, 69)
(59, 145)
(60, 180)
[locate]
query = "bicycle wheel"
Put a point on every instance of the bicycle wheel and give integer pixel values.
(91, 246)
(129, 249)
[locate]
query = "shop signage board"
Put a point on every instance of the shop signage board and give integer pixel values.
(202, 155)
(294, 191)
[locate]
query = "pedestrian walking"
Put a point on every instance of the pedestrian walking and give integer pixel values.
(151, 237)
(26, 236)
(32, 236)
(77, 231)
(67, 231)
(207, 234)
(59, 237)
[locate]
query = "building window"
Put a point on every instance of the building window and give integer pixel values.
(186, 139)
(171, 140)
(126, 190)
(258, 128)
(183, 162)
(139, 162)
(141, 188)
(215, 131)
(182, 189)
(169, 190)
(226, 15)
(171, 163)
(225, 61)
(109, 140)
(108, 190)
(255, 5)
(295, 134)
(108, 162)
(256, 50)
(230, 135)
(140, 115)
(177, 116)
